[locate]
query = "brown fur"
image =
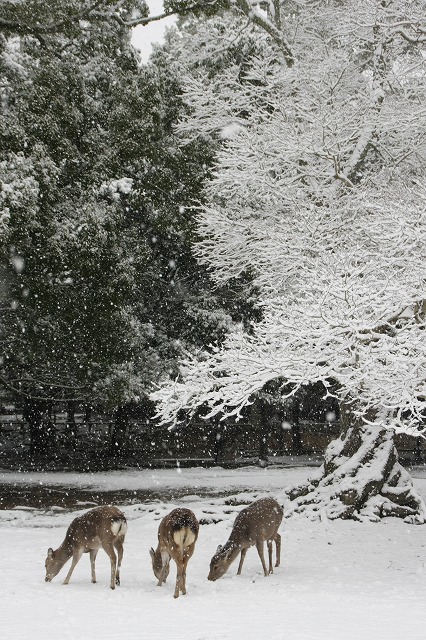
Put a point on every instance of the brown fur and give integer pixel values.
(177, 535)
(253, 525)
(104, 527)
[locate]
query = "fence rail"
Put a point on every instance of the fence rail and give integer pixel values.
(201, 441)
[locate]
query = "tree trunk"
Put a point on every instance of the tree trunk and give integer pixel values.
(360, 478)
(42, 431)
(259, 421)
(71, 424)
(296, 439)
(119, 431)
(219, 430)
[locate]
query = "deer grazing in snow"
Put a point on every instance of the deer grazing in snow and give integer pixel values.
(253, 525)
(103, 527)
(177, 535)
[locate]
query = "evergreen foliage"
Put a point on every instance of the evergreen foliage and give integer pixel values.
(100, 290)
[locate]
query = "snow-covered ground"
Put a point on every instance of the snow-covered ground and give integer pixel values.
(338, 580)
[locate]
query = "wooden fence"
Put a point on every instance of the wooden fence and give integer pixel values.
(200, 442)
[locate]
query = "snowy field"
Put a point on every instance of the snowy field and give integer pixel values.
(337, 580)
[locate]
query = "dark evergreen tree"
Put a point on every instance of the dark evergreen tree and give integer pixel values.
(100, 290)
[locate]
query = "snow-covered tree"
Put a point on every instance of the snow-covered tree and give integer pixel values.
(319, 192)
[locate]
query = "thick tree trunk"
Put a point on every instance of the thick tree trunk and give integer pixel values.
(259, 421)
(42, 431)
(360, 478)
(219, 430)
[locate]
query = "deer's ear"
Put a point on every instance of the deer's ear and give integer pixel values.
(152, 553)
(219, 548)
(50, 552)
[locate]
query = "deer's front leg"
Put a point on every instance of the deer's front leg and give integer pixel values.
(240, 566)
(76, 557)
(93, 554)
(165, 568)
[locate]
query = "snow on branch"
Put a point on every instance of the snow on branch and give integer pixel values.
(272, 26)
(340, 270)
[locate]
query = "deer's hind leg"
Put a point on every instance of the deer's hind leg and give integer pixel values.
(186, 554)
(120, 549)
(179, 577)
(260, 551)
(269, 543)
(277, 549)
(108, 547)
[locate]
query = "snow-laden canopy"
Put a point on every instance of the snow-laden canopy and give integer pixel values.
(319, 194)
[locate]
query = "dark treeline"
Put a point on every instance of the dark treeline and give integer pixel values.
(100, 292)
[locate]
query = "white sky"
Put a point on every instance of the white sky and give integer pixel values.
(143, 37)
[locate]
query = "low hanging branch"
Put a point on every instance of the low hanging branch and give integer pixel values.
(17, 389)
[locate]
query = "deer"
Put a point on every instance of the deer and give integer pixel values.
(253, 525)
(177, 535)
(104, 527)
